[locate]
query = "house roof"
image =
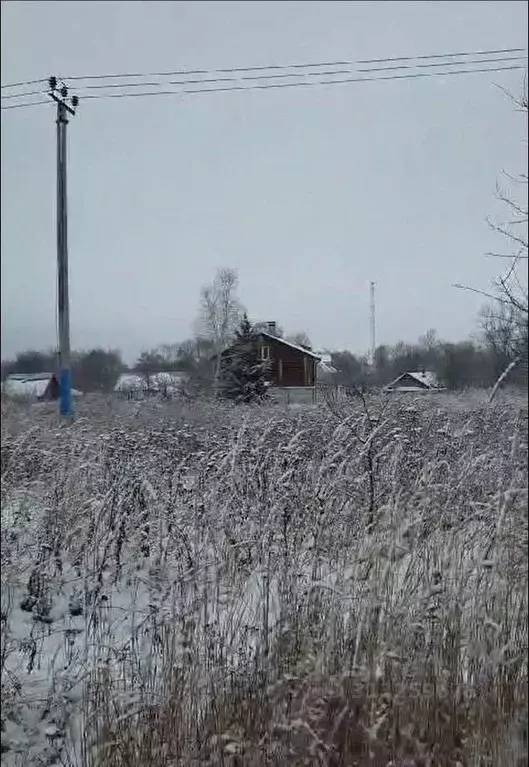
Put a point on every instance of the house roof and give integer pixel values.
(30, 376)
(282, 341)
(425, 378)
(301, 349)
(325, 365)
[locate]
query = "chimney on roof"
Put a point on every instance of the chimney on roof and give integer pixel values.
(272, 328)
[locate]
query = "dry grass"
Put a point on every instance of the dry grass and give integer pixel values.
(218, 586)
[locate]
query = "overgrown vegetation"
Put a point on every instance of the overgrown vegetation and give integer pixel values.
(96, 370)
(458, 366)
(251, 586)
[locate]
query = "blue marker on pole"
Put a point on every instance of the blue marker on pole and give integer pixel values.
(65, 393)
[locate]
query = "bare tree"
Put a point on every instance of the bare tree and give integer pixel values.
(503, 330)
(510, 286)
(195, 358)
(170, 354)
(262, 326)
(300, 339)
(220, 314)
(510, 291)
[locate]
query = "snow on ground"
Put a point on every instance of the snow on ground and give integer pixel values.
(266, 511)
(50, 653)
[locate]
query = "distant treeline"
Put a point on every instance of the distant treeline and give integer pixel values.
(473, 363)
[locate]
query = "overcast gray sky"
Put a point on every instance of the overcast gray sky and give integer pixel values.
(308, 193)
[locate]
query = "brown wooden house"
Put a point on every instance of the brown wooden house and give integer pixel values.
(290, 365)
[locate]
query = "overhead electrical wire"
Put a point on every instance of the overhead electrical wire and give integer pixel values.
(24, 83)
(444, 55)
(27, 104)
(298, 84)
(267, 86)
(184, 72)
(305, 65)
(282, 75)
(23, 95)
(85, 94)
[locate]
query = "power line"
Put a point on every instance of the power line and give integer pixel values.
(188, 72)
(444, 64)
(267, 86)
(26, 82)
(232, 70)
(298, 84)
(444, 55)
(331, 82)
(215, 80)
(286, 75)
(26, 104)
(282, 75)
(22, 95)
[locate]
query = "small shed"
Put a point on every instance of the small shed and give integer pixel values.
(43, 387)
(417, 381)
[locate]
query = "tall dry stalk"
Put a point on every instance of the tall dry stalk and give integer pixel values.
(194, 586)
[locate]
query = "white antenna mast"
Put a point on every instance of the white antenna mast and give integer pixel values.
(372, 322)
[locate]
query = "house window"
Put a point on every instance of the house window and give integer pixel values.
(265, 352)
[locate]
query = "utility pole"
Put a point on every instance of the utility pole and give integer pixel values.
(372, 322)
(59, 95)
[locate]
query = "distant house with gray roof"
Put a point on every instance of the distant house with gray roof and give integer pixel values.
(417, 381)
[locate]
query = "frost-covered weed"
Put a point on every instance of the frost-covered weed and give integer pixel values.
(206, 584)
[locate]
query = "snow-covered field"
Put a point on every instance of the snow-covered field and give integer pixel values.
(203, 585)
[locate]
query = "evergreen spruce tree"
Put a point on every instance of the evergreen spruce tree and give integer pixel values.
(243, 373)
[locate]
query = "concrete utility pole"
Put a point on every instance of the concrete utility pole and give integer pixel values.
(63, 109)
